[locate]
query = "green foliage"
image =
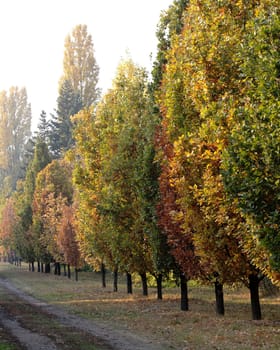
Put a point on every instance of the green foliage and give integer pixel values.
(201, 79)
(171, 23)
(251, 166)
(68, 104)
(116, 174)
(25, 242)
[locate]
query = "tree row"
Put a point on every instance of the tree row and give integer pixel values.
(176, 174)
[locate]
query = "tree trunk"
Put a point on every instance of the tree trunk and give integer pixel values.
(39, 266)
(58, 269)
(255, 298)
(64, 270)
(103, 275)
(42, 267)
(47, 268)
(159, 286)
(115, 282)
(144, 283)
(68, 271)
(219, 293)
(55, 268)
(76, 274)
(184, 293)
(129, 283)
(32, 266)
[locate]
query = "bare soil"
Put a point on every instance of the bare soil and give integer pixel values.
(35, 325)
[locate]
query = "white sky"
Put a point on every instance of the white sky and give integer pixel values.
(32, 34)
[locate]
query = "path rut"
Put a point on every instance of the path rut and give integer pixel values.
(115, 339)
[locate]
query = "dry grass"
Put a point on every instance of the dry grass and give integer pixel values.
(162, 321)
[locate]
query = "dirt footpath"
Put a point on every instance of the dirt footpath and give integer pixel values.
(41, 326)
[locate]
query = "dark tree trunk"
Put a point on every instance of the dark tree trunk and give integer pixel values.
(219, 293)
(58, 269)
(254, 282)
(47, 268)
(159, 286)
(144, 283)
(32, 266)
(76, 273)
(42, 267)
(39, 266)
(184, 293)
(103, 275)
(64, 270)
(129, 283)
(68, 271)
(55, 268)
(115, 281)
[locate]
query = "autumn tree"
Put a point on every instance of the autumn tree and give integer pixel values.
(80, 69)
(25, 241)
(8, 223)
(201, 75)
(87, 178)
(128, 165)
(115, 154)
(53, 187)
(15, 126)
(181, 245)
(171, 23)
(251, 162)
(67, 239)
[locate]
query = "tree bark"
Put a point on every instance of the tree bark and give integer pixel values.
(115, 282)
(254, 282)
(32, 266)
(38, 266)
(184, 293)
(159, 286)
(219, 293)
(129, 283)
(144, 283)
(64, 270)
(42, 267)
(103, 275)
(68, 271)
(76, 274)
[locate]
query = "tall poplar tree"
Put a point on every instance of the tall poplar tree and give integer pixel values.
(79, 65)
(15, 131)
(77, 89)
